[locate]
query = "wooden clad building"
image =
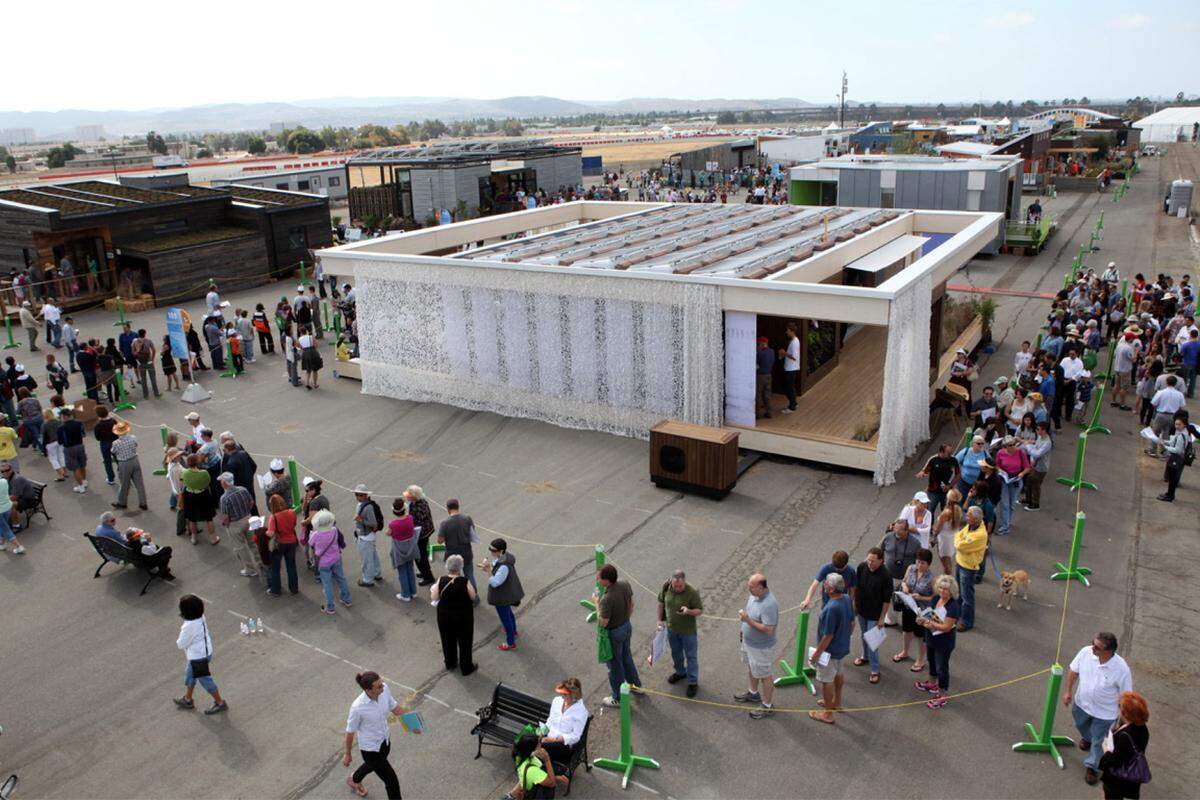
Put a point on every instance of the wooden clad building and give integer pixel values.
(165, 241)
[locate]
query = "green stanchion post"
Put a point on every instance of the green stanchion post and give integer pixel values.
(801, 672)
(294, 477)
(627, 760)
(1047, 741)
(326, 323)
(968, 434)
(120, 314)
(588, 604)
(162, 429)
(1077, 482)
(232, 372)
(1038, 346)
(1094, 425)
(1072, 571)
(8, 329)
(434, 547)
(1100, 223)
(123, 403)
(304, 281)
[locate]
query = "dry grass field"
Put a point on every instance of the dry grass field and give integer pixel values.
(640, 155)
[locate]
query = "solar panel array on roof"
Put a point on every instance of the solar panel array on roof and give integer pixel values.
(460, 151)
(90, 197)
(743, 241)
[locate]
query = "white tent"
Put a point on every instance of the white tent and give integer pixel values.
(1169, 124)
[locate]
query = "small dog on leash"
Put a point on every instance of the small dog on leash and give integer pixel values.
(1010, 584)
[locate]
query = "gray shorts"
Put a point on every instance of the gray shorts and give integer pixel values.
(74, 457)
(759, 660)
(827, 673)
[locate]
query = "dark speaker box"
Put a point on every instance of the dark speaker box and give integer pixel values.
(693, 458)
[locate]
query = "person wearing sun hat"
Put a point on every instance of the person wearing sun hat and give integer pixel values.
(278, 483)
(129, 469)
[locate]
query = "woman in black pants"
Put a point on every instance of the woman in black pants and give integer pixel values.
(368, 720)
(455, 598)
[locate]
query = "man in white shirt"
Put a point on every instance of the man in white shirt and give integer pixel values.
(52, 315)
(212, 300)
(368, 719)
(1166, 402)
(1095, 681)
(1021, 361)
(1185, 331)
(791, 367)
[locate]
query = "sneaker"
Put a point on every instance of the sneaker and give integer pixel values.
(3, 545)
(692, 689)
(785, 411)
(675, 677)
(19, 550)
(1032, 508)
(248, 573)
(762, 712)
(329, 611)
(926, 686)
(364, 583)
(937, 702)
(78, 489)
(404, 599)
(217, 708)
(748, 697)
(610, 703)
(184, 703)
(505, 646)
(347, 603)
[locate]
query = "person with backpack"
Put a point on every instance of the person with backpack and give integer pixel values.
(327, 542)
(143, 357)
(535, 771)
(504, 589)
(368, 519)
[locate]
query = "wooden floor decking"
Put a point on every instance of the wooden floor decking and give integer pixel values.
(832, 409)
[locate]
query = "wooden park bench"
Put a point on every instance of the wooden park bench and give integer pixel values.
(116, 552)
(503, 720)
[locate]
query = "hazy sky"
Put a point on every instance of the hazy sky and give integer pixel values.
(132, 54)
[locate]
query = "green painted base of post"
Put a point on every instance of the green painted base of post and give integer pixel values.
(294, 477)
(434, 547)
(588, 604)
(1072, 571)
(162, 430)
(326, 321)
(627, 760)
(120, 314)
(1094, 425)
(123, 403)
(8, 330)
(1047, 741)
(801, 672)
(1076, 482)
(232, 372)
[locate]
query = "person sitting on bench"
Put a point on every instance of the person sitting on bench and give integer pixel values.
(568, 717)
(535, 772)
(107, 529)
(22, 492)
(153, 556)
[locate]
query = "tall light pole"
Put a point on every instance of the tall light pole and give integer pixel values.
(842, 106)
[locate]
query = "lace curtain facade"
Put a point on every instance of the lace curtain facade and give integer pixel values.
(904, 418)
(573, 350)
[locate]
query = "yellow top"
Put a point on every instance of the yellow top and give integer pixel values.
(8, 441)
(343, 352)
(970, 545)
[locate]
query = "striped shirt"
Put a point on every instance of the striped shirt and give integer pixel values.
(236, 503)
(125, 448)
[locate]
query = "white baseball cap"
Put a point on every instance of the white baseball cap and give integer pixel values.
(277, 465)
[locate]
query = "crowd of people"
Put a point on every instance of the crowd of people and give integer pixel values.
(920, 578)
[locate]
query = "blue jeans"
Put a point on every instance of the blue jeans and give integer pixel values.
(72, 349)
(621, 668)
(33, 434)
(6, 531)
(1008, 503)
(408, 581)
(284, 555)
(966, 591)
(207, 682)
(936, 501)
(683, 649)
(330, 575)
(1189, 378)
(939, 665)
(1093, 730)
(370, 560)
(106, 455)
(508, 621)
(870, 655)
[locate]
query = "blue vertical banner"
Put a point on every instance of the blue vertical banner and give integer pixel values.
(179, 347)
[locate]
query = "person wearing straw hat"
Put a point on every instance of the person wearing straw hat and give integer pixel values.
(368, 519)
(129, 469)
(194, 424)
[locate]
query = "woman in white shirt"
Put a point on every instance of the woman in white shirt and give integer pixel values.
(197, 648)
(310, 359)
(1018, 408)
(368, 720)
(567, 720)
(918, 517)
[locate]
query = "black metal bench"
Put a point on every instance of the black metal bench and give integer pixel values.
(115, 552)
(38, 506)
(502, 720)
